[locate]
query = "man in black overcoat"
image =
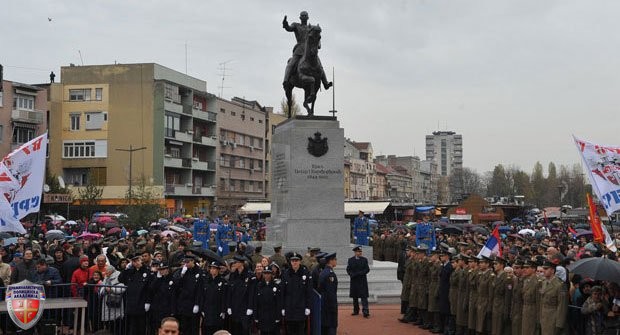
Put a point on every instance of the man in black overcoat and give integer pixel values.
(188, 282)
(267, 304)
(328, 288)
(240, 297)
(137, 278)
(213, 304)
(297, 290)
(161, 297)
(358, 268)
(444, 289)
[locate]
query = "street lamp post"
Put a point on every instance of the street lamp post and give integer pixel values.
(131, 150)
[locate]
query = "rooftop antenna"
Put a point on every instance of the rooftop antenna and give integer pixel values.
(333, 111)
(81, 59)
(222, 68)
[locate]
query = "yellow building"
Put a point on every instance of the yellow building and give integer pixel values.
(112, 124)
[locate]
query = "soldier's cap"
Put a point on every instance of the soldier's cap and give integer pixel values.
(141, 243)
(238, 258)
(422, 247)
(548, 264)
(330, 256)
(357, 248)
(463, 244)
(277, 246)
(274, 264)
(451, 251)
(158, 252)
(135, 256)
(444, 245)
(410, 247)
(232, 244)
(483, 258)
(267, 270)
(155, 263)
(215, 264)
(528, 263)
(295, 256)
(518, 262)
(360, 211)
(500, 259)
(315, 249)
(256, 244)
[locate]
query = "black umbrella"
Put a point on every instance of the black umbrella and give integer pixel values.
(481, 230)
(452, 230)
(207, 254)
(111, 224)
(597, 268)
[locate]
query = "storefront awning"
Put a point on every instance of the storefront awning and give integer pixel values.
(377, 208)
(460, 217)
(255, 207)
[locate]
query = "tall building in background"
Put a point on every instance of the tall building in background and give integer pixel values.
(99, 112)
(446, 149)
(23, 114)
(242, 153)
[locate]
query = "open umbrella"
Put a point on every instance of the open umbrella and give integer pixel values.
(178, 229)
(155, 232)
(5, 235)
(452, 230)
(71, 223)
(90, 236)
(207, 254)
(168, 233)
(163, 221)
(177, 219)
(111, 224)
(155, 224)
(9, 241)
(597, 268)
(527, 232)
(585, 233)
(104, 219)
(113, 230)
(142, 232)
(481, 230)
(54, 235)
(504, 229)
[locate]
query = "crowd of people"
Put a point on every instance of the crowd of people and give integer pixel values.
(527, 288)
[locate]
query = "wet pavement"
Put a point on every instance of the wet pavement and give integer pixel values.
(383, 320)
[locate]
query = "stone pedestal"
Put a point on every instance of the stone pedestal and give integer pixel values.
(307, 186)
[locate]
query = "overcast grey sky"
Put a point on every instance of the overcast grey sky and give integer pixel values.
(515, 78)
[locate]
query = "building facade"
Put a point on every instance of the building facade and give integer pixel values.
(23, 114)
(445, 148)
(429, 179)
(242, 127)
(130, 124)
(408, 166)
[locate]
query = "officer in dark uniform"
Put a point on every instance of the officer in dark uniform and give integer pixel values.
(161, 297)
(357, 269)
(213, 303)
(188, 281)
(316, 271)
(297, 292)
(136, 277)
(445, 272)
(240, 296)
(328, 287)
(268, 304)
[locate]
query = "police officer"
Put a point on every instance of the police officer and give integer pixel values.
(225, 233)
(445, 291)
(357, 269)
(328, 287)
(297, 292)
(240, 296)
(213, 299)
(161, 297)
(425, 233)
(267, 304)
(188, 281)
(136, 277)
(361, 229)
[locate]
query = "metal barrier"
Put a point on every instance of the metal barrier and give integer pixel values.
(106, 308)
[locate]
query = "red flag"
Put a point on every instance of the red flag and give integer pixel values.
(595, 222)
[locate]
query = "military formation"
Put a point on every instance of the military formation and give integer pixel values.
(450, 292)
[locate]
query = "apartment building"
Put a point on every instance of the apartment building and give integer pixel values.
(408, 166)
(242, 128)
(131, 124)
(23, 114)
(446, 149)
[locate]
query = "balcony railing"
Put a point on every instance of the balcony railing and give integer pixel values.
(28, 116)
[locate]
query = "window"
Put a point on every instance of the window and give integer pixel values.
(241, 163)
(94, 120)
(79, 95)
(231, 185)
(259, 165)
(260, 121)
(1, 97)
(233, 113)
(239, 139)
(171, 92)
(175, 152)
(173, 123)
(222, 110)
(22, 134)
(23, 102)
(85, 149)
(251, 119)
(98, 94)
(242, 186)
(259, 186)
(250, 186)
(75, 121)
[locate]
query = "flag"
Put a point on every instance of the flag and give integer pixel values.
(609, 242)
(573, 232)
(493, 245)
(22, 194)
(603, 165)
(595, 222)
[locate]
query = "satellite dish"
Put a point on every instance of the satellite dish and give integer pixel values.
(61, 182)
(46, 188)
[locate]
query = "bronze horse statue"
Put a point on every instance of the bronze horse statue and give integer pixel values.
(308, 74)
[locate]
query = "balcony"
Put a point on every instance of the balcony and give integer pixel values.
(209, 116)
(173, 107)
(189, 190)
(183, 136)
(28, 116)
(187, 109)
(173, 162)
(204, 165)
(206, 140)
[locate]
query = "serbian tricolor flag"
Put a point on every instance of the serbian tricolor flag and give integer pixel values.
(573, 232)
(493, 245)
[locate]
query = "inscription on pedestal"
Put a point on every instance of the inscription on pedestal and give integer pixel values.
(317, 171)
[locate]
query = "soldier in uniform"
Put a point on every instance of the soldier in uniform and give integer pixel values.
(460, 307)
(361, 229)
(232, 246)
(502, 292)
(240, 295)
(434, 267)
(188, 282)
(415, 282)
(257, 256)
(277, 256)
(424, 319)
(516, 306)
(309, 259)
(406, 287)
(161, 297)
(267, 304)
(328, 287)
(315, 273)
(530, 312)
(389, 247)
(357, 269)
(377, 246)
(213, 299)
(553, 301)
(225, 233)
(137, 278)
(445, 292)
(483, 295)
(297, 291)
(472, 286)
